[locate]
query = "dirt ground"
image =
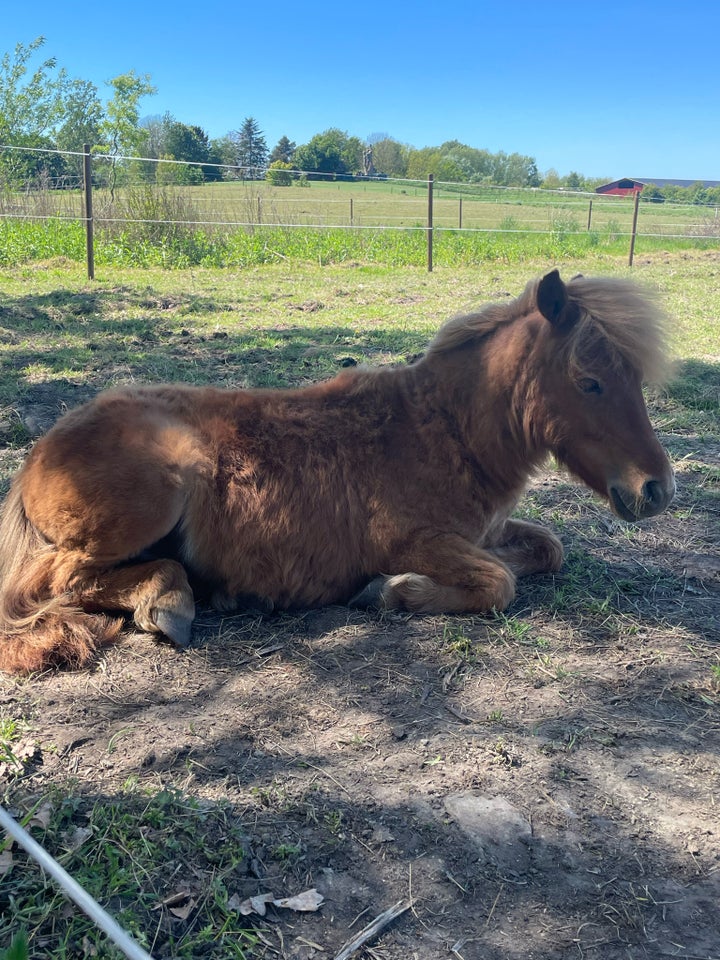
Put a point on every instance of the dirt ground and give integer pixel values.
(543, 784)
(539, 785)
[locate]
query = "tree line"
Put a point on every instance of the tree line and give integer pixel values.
(50, 116)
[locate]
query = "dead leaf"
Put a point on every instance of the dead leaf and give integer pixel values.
(256, 904)
(182, 913)
(309, 900)
(74, 839)
(6, 862)
(42, 816)
(306, 902)
(88, 949)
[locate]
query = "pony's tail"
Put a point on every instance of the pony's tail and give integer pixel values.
(38, 628)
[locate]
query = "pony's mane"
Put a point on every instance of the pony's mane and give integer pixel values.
(617, 311)
(465, 329)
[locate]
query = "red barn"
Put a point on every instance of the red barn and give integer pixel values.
(621, 188)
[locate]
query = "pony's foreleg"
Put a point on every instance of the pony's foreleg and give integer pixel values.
(157, 594)
(528, 548)
(448, 575)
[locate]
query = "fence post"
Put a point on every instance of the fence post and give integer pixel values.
(89, 244)
(430, 224)
(634, 228)
(460, 214)
(589, 215)
(352, 217)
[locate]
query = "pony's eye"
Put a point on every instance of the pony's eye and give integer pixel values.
(588, 385)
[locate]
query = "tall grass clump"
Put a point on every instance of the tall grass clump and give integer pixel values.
(149, 229)
(26, 241)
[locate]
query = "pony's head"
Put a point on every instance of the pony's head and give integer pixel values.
(602, 339)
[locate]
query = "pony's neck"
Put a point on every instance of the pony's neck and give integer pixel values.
(487, 388)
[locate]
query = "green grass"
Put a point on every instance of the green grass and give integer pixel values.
(246, 224)
(139, 855)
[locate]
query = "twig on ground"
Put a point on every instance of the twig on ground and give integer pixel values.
(373, 929)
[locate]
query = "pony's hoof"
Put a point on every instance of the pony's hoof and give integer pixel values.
(174, 626)
(372, 596)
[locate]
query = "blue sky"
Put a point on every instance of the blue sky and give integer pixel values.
(605, 89)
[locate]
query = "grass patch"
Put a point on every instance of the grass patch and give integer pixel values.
(164, 865)
(181, 246)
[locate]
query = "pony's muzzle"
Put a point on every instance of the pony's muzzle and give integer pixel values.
(655, 496)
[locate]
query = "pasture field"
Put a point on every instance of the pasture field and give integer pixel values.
(519, 215)
(540, 784)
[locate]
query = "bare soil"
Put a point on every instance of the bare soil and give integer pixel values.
(540, 784)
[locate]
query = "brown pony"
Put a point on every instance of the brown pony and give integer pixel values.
(386, 488)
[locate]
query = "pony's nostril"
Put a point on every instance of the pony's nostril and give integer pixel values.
(657, 495)
(653, 492)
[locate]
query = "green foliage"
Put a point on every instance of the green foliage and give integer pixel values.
(332, 153)
(18, 949)
(390, 158)
(31, 106)
(120, 129)
(284, 150)
(652, 194)
(250, 150)
(458, 163)
(278, 173)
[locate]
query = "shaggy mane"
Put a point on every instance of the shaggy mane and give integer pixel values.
(617, 311)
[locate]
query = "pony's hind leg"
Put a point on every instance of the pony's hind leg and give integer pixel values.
(448, 575)
(528, 548)
(157, 594)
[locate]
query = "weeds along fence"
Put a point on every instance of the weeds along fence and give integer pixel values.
(139, 211)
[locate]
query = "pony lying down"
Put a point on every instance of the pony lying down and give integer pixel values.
(382, 488)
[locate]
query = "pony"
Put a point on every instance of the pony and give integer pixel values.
(387, 488)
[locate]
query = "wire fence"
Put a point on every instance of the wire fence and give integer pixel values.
(115, 193)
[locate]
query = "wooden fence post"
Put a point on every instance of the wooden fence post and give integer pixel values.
(430, 223)
(634, 228)
(89, 242)
(589, 216)
(460, 214)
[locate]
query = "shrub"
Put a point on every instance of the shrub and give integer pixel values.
(278, 173)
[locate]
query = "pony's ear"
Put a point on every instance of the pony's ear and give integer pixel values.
(553, 302)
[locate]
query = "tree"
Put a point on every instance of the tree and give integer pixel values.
(251, 152)
(186, 143)
(30, 107)
(515, 170)
(574, 181)
(390, 157)
(155, 127)
(121, 128)
(120, 131)
(430, 160)
(651, 193)
(83, 114)
(221, 159)
(551, 179)
(476, 165)
(279, 173)
(332, 153)
(283, 150)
